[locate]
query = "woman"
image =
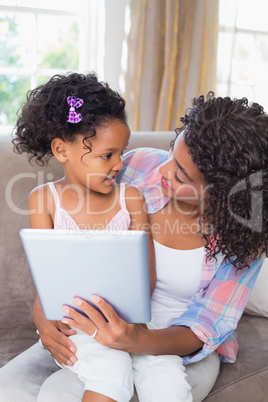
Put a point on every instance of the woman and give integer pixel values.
(204, 220)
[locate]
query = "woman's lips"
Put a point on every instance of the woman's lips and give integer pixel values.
(165, 185)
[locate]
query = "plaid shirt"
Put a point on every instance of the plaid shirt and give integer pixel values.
(213, 313)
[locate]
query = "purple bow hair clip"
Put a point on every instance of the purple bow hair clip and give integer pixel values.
(74, 103)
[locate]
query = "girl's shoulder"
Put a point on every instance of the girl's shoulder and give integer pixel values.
(43, 190)
(132, 192)
(134, 199)
(42, 196)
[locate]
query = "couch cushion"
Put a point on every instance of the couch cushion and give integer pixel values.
(17, 179)
(247, 378)
(258, 300)
(15, 338)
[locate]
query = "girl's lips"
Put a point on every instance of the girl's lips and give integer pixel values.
(110, 180)
(165, 185)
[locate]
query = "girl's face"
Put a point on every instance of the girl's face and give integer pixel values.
(97, 169)
(181, 180)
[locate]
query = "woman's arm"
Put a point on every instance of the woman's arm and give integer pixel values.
(53, 334)
(132, 338)
(136, 206)
(208, 323)
(214, 313)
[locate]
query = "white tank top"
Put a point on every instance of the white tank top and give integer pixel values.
(62, 220)
(178, 279)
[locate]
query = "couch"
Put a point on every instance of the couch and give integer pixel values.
(245, 380)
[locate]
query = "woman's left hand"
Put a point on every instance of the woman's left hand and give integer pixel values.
(116, 333)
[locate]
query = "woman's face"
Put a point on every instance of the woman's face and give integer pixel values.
(181, 180)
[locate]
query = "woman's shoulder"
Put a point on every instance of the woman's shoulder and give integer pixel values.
(141, 165)
(141, 169)
(144, 158)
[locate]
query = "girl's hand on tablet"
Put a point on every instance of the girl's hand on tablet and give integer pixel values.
(115, 332)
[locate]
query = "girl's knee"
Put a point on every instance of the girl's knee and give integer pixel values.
(156, 377)
(62, 386)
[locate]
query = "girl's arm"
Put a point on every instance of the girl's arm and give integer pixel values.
(53, 334)
(136, 206)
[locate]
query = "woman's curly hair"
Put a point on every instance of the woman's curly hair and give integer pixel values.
(43, 116)
(228, 142)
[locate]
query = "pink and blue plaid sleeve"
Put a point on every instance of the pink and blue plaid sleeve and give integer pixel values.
(214, 312)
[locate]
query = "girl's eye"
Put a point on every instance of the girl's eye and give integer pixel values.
(123, 151)
(108, 156)
(176, 178)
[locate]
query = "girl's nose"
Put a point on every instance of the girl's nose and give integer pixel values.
(119, 163)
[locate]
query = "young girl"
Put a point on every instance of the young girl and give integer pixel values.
(82, 122)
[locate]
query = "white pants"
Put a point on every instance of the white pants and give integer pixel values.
(33, 376)
(112, 373)
(102, 369)
(161, 378)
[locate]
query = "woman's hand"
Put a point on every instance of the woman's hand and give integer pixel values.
(54, 336)
(132, 338)
(116, 333)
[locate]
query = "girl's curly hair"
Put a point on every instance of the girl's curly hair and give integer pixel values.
(228, 142)
(43, 116)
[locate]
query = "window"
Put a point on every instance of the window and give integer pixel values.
(242, 63)
(41, 38)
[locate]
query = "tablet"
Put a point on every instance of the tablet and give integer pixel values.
(111, 264)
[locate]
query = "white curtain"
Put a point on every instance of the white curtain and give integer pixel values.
(171, 58)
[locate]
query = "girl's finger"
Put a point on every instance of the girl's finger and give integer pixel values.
(65, 329)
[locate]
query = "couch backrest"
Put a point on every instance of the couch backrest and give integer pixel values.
(17, 179)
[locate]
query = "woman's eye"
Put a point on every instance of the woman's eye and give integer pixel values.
(108, 156)
(176, 178)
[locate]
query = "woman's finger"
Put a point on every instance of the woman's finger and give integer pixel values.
(95, 316)
(92, 313)
(78, 320)
(106, 309)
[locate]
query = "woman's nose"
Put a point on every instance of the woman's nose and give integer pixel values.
(165, 167)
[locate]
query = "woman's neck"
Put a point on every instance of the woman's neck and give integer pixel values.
(178, 226)
(181, 209)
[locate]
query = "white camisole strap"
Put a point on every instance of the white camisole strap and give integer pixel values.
(122, 196)
(55, 194)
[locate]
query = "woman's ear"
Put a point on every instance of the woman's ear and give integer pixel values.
(59, 149)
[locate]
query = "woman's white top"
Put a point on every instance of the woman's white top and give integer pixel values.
(178, 279)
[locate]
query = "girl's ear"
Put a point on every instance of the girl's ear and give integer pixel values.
(59, 149)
